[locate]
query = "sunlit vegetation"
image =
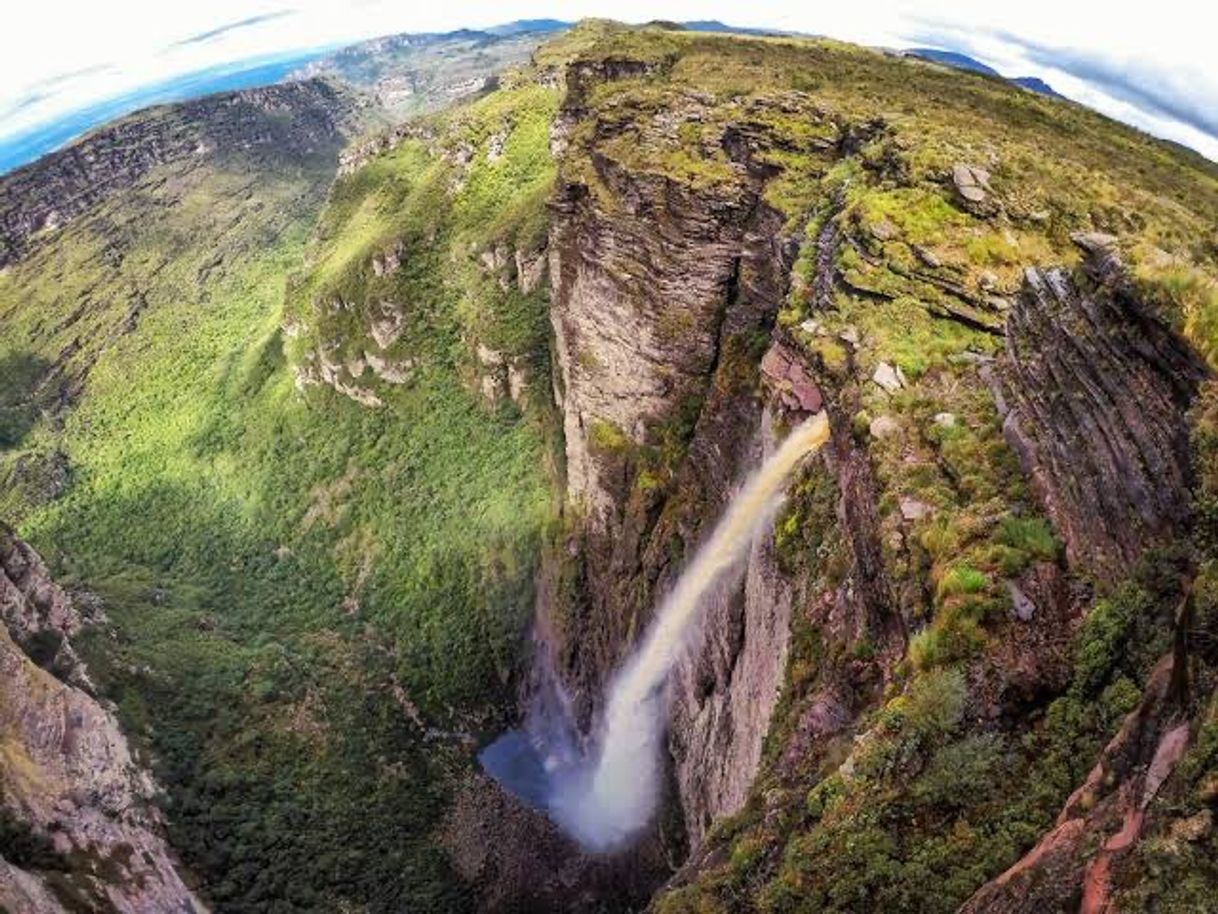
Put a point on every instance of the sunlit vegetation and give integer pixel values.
(295, 583)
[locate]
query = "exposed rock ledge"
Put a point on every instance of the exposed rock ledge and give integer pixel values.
(67, 772)
(1094, 391)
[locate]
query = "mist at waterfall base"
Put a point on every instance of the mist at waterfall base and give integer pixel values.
(603, 791)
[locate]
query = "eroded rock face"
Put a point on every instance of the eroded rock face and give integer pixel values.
(642, 306)
(638, 303)
(39, 616)
(660, 291)
(971, 183)
(288, 120)
(1094, 391)
(717, 746)
(784, 371)
(67, 772)
(1075, 865)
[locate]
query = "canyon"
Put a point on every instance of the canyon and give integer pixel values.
(397, 455)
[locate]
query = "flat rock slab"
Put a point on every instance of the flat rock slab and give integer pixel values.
(784, 371)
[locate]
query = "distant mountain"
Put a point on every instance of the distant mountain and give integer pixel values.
(524, 26)
(954, 59)
(971, 64)
(28, 145)
(410, 78)
(714, 25)
(412, 73)
(1037, 85)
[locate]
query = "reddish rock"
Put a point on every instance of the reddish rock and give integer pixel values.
(775, 363)
(782, 369)
(808, 393)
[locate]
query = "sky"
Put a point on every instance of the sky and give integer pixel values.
(1150, 65)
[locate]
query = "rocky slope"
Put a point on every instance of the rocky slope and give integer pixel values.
(696, 230)
(278, 123)
(80, 832)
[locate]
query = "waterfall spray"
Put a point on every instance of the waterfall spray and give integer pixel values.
(604, 798)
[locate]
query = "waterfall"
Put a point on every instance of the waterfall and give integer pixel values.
(605, 797)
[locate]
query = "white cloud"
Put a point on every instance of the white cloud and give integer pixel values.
(138, 42)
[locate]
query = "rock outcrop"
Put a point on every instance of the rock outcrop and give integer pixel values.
(68, 780)
(659, 285)
(1094, 391)
(39, 616)
(1073, 866)
(286, 121)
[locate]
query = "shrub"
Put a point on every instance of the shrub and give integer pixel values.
(934, 702)
(925, 649)
(958, 772)
(961, 579)
(954, 636)
(1031, 535)
(606, 437)
(1104, 639)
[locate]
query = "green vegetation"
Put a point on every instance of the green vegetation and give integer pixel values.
(928, 808)
(19, 396)
(298, 583)
(317, 601)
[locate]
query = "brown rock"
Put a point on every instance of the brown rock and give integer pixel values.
(884, 427)
(888, 377)
(68, 772)
(1111, 469)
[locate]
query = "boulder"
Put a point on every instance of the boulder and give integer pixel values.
(387, 262)
(888, 377)
(495, 145)
(387, 370)
(884, 427)
(1021, 604)
(518, 377)
(971, 183)
(914, 510)
(884, 230)
(928, 257)
(530, 271)
(775, 363)
(784, 371)
(1102, 257)
(387, 327)
(491, 358)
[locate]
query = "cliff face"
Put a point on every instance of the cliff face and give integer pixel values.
(665, 293)
(1006, 427)
(1094, 391)
(1096, 394)
(81, 832)
(276, 123)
